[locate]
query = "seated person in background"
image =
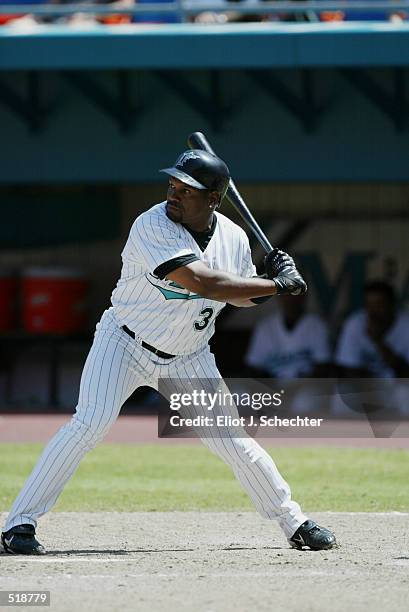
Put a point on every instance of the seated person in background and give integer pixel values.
(374, 342)
(293, 344)
(290, 343)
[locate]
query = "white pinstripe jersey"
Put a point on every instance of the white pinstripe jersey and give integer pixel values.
(158, 311)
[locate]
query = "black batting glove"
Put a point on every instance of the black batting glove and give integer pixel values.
(280, 268)
(290, 281)
(276, 261)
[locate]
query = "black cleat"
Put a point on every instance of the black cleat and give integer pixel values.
(20, 540)
(311, 535)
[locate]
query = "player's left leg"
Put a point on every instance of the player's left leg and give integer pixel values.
(251, 464)
(114, 368)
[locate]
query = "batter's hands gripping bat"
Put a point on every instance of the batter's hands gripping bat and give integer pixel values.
(197, 140)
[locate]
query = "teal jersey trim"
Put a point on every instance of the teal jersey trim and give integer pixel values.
(175, 295)
(170, 294)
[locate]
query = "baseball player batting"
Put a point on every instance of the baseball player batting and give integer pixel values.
(183, 261)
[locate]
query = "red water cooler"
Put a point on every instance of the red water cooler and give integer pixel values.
(54, 300)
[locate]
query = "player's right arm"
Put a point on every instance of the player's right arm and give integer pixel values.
(282, 277)
(220, 286)
(225, 287)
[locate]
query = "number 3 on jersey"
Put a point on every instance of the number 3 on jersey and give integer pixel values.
(202, 323)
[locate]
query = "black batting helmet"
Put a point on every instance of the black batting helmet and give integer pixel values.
(201, 170)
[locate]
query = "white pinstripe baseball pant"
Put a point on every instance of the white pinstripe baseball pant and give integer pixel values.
(115, 367)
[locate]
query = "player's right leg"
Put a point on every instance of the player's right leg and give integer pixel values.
(114, 368)
(251, 464)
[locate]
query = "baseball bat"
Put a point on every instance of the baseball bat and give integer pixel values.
(197, 140)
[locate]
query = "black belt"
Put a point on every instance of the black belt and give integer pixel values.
(150, 348)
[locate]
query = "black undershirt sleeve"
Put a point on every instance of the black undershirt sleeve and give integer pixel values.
(261, 299)
(173, 264)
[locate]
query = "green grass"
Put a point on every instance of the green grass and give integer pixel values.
(159, 478)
